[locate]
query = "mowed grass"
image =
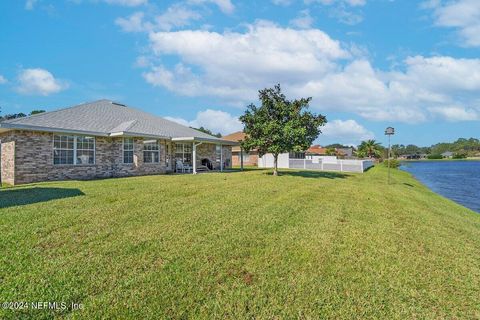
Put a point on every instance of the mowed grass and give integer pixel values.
(240, 245)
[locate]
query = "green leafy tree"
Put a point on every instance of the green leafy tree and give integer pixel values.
(280, 125)
(370, 149)
(36, 112)
(13, 116)
(331, 151)
(207, 131)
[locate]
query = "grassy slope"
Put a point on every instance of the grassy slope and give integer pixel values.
(241, 244)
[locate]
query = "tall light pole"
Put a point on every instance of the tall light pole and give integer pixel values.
(389, 132)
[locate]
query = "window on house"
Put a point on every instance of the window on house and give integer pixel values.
(183, 152)
(128, 150)
(75, 150)
(85, 150)
(246, 157)
(151, 151)
(63, 149)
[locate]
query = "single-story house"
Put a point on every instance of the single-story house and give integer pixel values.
(345, 152)
(447, 154)
(322, 151)
(316, 150)
(239, 156)
(104, 139)
(415, 156)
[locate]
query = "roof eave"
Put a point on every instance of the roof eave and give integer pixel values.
(202, 139)
(137, 134)
(15, 126)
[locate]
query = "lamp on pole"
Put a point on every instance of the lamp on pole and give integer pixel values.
(389, 132)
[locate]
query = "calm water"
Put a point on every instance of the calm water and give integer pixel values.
(457, 180)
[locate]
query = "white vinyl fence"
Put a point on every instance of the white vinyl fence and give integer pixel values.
(316, 163)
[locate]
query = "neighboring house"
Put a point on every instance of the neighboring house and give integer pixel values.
(415, 156)
(322, 151)
(249, 158)
(447, 154)
(345, 152)
(316, 150)
(103, 139)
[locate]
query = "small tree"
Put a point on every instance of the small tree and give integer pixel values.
(331, 151)
(36, 112)
(280, 125)
(370, 148)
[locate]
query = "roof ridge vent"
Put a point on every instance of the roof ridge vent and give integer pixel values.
(118, 104)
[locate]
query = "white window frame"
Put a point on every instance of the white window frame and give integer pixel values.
(74, 150)
(188, 145)
(218, 153)
(157, 151)
(132, 150)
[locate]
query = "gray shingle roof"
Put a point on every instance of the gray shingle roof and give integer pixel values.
(105, 117)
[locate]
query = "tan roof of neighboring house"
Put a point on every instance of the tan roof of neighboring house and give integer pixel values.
(317, 149)
(236, 136)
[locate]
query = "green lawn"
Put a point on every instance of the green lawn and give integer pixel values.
(240, 245)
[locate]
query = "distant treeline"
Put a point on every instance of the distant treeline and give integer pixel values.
(19, 115)
(468, 147)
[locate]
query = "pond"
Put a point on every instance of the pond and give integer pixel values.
(456, 180)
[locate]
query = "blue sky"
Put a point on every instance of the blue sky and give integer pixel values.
(368, 64)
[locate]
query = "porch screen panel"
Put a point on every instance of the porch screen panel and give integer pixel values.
(218, 153)
(183, 152)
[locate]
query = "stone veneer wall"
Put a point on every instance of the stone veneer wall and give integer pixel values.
(32, 155)
(208, 151)
(7, 158)
(28, 157)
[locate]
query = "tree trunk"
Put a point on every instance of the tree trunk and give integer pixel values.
(275, 164)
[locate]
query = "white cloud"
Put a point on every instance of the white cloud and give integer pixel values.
(303, 21)
(354, 3)
(233, 66)
(175, 16)
(456, 113)
(30, 4)
(282, 2)
(238, 64)
(38, 82)
(463, 15)
(127, 3)
(345, 11)
(214, 120)
(133, 23)
(226, 6)
(3, 80)
(346, 132)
